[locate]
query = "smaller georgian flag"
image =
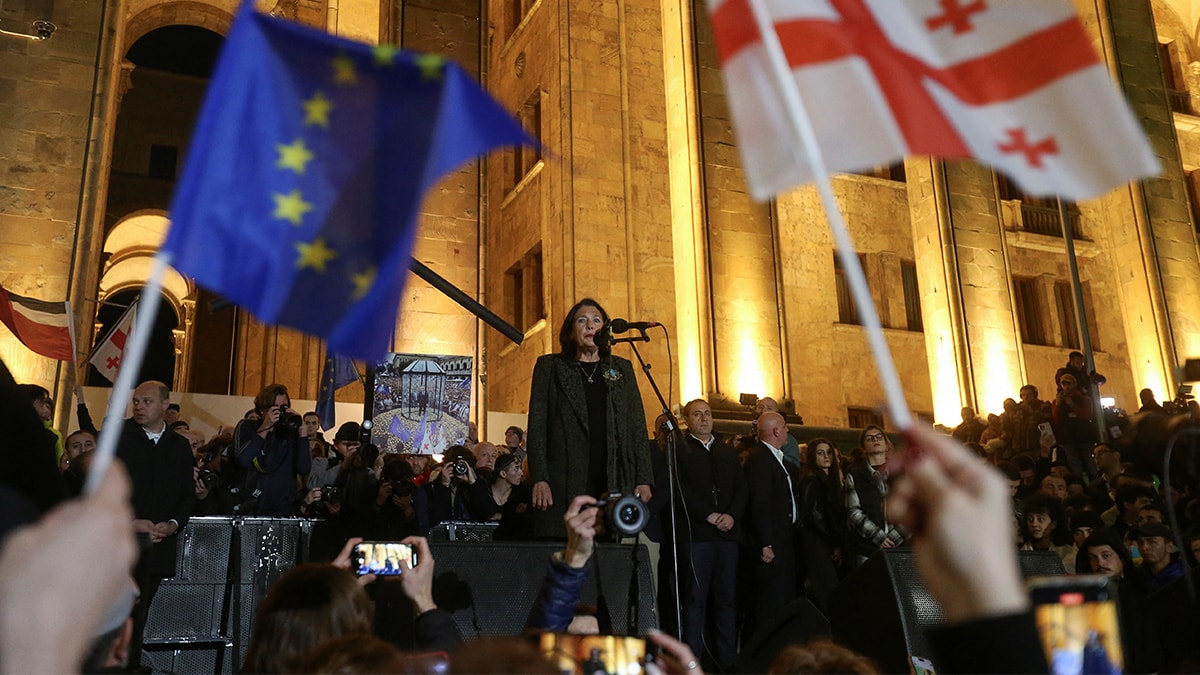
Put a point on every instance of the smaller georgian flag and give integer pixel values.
(1014, 83)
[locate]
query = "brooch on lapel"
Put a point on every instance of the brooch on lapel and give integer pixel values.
(612, 374)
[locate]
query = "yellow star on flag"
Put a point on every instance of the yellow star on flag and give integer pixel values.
(385, 55)
(343, 70)
(295, 156)
(316, 110)
(314, 255)
(291, 207)
(363, 282)
(431, 66)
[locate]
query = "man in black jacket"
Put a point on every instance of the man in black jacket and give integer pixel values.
(773, 517)
(160, 471)
(713, 497)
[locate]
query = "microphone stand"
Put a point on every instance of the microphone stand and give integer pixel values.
(673, 433)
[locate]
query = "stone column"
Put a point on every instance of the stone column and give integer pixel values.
(971, 339)
(1155, 255)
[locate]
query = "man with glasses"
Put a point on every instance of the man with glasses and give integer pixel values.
(866, 494)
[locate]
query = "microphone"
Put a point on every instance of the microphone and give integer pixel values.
(622, 326)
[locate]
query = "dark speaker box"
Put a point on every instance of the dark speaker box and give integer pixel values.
(213, 596)
(796, 623)
(883, 609)
(455, 530)
(201, 657)
(489, 588)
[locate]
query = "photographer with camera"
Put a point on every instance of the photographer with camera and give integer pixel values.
(449, 487)
(214, 476)
(273, 450)
(397, 509)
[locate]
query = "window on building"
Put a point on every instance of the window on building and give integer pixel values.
(1193, 190)
(847, 309)
(1177, 93)
(1040, 215)
(1030, 315)
(523, 299)
(912, 296)
(1064, 301)
(514, 14)
(886, 172)
(861, 418)
(164, 159)
(524, 158)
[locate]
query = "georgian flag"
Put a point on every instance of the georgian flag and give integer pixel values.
(110, 351)
(39, 325)
(1012, 83)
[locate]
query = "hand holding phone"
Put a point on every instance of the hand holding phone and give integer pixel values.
(382, 558)
(1077, 620)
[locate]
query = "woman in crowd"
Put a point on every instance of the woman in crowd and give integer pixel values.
(867, 480)
(587, 429)
(1044, 528)
(821, 517)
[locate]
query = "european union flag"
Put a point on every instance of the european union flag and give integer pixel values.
(338, 372)
(305, 174)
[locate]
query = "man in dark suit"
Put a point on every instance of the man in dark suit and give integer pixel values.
(163, 493)
(713, 496)
(773, 518)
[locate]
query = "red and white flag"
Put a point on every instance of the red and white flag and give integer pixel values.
(42, 326)
(1012, 83)
(107, 356)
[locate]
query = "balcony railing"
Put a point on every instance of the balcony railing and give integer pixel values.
(1181, 101)
(1043, 220)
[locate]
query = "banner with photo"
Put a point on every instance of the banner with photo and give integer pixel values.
(422, 403)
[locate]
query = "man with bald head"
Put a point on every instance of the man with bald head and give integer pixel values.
(773, 518)
(791, 447)
(160, 472)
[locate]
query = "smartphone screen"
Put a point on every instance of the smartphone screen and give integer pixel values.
(382, 558)
(1077, 619)
(589, 654)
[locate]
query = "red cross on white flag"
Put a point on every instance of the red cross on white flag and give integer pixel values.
(1013, 83)
(107, 356)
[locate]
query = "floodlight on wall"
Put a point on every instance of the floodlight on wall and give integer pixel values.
(41, 27)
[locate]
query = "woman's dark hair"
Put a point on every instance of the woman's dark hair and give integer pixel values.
(1053, 507)
(810, 461)
(566, 334)
(35, 392)
(308, 606)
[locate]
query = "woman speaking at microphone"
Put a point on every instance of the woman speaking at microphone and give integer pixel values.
(587, 428)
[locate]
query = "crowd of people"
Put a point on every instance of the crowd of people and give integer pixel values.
(757, 520)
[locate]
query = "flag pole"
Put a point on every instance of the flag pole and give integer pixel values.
(131, 366)
(1085, 334)
(897, 406)
(74, 354)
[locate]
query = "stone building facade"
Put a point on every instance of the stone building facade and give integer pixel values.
(636, 199)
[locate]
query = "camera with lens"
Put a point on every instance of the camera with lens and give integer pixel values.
(625, 515)
(288, 425)
(461, 468)
(402, 488)
(209, 478)
(331, 493)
